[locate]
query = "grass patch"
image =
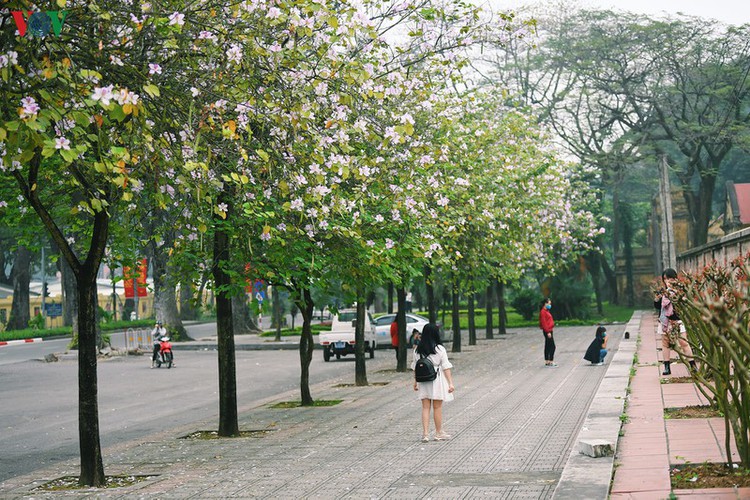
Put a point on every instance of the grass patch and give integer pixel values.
(297, 331)
(208, 435)
(611, 314)
(695, 411)
(71, 483)
(298, 404)
(708, 475)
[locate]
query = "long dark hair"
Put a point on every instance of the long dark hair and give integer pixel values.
(600, 332)
(430, 340)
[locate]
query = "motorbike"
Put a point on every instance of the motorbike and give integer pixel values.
(165, 353)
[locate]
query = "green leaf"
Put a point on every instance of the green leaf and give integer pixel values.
(151, 90)
(68, 155)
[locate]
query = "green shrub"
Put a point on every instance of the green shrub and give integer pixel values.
(526, 302)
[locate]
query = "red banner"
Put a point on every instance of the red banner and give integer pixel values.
(140, 279)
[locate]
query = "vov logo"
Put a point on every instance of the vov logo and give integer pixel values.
(39, 24)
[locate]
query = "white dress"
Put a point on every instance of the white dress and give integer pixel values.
(438, 388)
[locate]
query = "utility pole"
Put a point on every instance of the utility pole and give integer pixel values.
(668, 252)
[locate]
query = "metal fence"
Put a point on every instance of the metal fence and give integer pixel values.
(138, 338)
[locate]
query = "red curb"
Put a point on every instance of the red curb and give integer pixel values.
(20, 341)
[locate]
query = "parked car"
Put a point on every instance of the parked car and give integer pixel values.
(383, 327)
(340, 340)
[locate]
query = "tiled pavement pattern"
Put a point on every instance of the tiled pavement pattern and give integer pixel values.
(514, 422)
(650, 444)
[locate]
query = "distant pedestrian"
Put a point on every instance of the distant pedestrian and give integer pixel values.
(432, 394)
(408, 302)
(547, 324)
(597, 350)
(394, 337)
(414, 338)
(672, 330)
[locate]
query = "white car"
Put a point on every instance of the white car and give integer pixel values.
(340, 340)
(383, 327)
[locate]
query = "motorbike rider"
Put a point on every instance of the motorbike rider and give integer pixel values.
(156, 335)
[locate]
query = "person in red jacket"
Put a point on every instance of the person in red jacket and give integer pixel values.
(547, 324)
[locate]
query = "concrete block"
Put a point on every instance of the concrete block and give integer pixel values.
(596, 448)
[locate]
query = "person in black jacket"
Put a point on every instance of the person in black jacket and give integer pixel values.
(672, 330)
(598, 348)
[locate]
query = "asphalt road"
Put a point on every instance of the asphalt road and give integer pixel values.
(39, 416)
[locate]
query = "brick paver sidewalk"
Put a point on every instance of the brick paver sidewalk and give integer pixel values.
(514, 423)
(650, 444)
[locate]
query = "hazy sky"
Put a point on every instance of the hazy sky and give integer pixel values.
(728, 11)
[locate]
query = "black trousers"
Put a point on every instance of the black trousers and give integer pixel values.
(549, 346)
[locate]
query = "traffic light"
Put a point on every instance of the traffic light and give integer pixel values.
(45, 291)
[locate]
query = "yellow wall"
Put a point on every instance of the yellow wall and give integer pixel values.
(145, 307)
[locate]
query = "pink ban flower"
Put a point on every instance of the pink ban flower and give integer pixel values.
(62, 143)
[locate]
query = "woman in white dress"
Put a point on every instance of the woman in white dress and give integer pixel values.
(441, 389)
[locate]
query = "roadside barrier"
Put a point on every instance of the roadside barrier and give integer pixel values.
(138, 338)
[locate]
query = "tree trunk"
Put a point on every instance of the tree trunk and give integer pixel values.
(502, 314)
(472, 323)
(455, 317)
(188, 311)
(390, 298)
(360, 371)
(21, 276)
(592, 259)
(611, 280)
(228, 426)
(431, 306)
(401, 322)
(242, 318)
(92, 466)
(165, 295)
(489, 334)
(70, 297)
(627, 240)
(702, 218)
(306, 306)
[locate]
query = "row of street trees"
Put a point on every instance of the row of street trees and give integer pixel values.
(623, 92)
(311, 140)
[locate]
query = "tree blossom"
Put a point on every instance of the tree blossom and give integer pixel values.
(62, 143)
(154, 68)
(29, 108)
(234, 54)
(103, 94)
(177, 18)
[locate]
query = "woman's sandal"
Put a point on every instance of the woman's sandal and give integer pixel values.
(442, 437)
(425, 439)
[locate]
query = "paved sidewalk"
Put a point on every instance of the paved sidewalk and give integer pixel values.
(515, 425)
(651, 445)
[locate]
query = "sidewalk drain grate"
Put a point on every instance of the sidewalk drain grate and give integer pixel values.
(492, 479)
(198, 435)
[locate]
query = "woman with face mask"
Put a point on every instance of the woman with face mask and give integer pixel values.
(547, 324)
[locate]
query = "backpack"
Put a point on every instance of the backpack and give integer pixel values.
(424, 370)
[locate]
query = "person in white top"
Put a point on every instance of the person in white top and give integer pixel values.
(156, 334)
(441, 389)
